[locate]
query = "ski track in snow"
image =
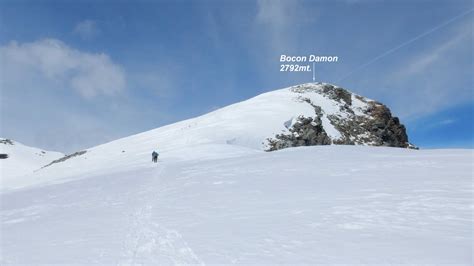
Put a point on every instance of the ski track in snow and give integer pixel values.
(149, 242)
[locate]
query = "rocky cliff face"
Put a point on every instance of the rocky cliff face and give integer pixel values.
(358, 121)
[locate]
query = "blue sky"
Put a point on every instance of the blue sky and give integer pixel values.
(75, 74)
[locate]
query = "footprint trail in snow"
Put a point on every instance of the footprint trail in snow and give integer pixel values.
(149, 242)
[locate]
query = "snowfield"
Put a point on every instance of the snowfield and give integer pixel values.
(325, 204)
(215, 197)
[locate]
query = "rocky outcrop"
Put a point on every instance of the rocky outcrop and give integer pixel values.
(67, 157)
(306, 131)
(386, 129)
(6, 141)
(368, 123)
(377, 128)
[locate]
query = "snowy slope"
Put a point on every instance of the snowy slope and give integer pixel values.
(324, 204)
(216, 197)
(246, 125)
(22, 159)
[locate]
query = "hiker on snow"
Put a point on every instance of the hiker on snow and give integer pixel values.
(154, 156)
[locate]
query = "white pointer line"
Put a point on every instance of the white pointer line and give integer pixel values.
(313, 73)
(406, 43)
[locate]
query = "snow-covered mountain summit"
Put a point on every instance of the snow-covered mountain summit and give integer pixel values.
(279, 119)
(303, 115)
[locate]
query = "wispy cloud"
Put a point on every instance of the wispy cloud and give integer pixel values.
(436, 77)
(446, 122)
(277, 29)
(87, 29)
(433, 56)
(424, 77)
(275, 13)
(88, 74)
(278, 19)
(160, 82)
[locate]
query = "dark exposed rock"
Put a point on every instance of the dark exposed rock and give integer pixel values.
(374, 126)
(331, 91)
(6, 141)
(386, 128)
(67, 157)
(379, 128)
(306, 131)
(337, 93)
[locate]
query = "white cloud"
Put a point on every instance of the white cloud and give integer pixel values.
(43, 86)
(51, 60)
(87, 29)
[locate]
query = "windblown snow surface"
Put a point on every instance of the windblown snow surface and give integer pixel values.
(215, 197)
